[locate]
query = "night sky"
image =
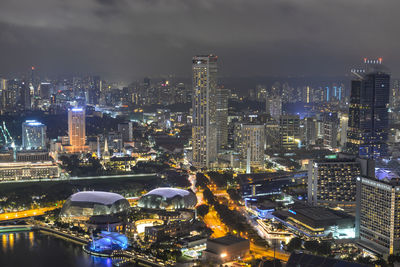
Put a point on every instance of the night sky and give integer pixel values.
(129, 39)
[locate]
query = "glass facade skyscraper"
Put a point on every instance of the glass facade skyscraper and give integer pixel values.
(368, 115)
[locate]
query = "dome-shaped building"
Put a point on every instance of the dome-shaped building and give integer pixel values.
(89, 205)
(168, 198)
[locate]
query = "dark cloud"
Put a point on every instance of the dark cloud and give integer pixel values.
(131, 39)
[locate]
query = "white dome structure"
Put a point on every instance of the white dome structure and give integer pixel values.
(83, 205)
(168, 198)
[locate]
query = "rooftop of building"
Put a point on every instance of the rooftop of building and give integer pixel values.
(192, 238)
(335, 160)
(33, 123)
(385, 173)
(228, 240)
(319, 213)
(168, 192)
(105, 198)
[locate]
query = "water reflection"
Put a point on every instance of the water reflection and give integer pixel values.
(23, 248)
(31, 239)
(4, 243)
(11, 241)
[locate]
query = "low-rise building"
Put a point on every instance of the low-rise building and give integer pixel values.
(162, 232)
(318, 221)
(262, 184)
(13, 171)
(226, 248)
(121, 163)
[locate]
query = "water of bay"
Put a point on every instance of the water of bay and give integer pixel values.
(35, 249)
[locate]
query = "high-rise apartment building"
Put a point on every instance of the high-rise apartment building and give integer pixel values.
(273, 106)
(222, 118)
(33, 135)
(76, 130)
(204, 130)
(289, 129)
(251, 143)
(367, 133)
(378, 213)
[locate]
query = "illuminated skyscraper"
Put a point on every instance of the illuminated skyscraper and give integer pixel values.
(33, 135)
(76, 129)
(204, 130)
(367, 134)
(25, 96)
(222, 118)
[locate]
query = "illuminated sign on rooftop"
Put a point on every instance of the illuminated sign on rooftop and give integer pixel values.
(33, 123)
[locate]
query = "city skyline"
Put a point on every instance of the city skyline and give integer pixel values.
(199, 133)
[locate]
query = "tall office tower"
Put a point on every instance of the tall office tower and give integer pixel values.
(310, 128)
(204, 132)
(3, 84)
(272, 136)
(344, 124)
(10, 95)
(307, 94)
(273, 106)
(367, 134)
(25, 96)
(395, 94)
(286, 93)
(92, 89)
(251, 143)
(332, 182)
(76, 129)
(126, 131)
(180, 93)
(45, 90)
(33, 135)
(33, 83)
(331, 125)
(378, 213)
(222, 118)
(289, 129)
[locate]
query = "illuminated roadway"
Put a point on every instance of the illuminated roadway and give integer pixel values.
(219, 229)
(24, 214)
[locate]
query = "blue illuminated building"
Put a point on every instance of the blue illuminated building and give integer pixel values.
(327, 94)
(33, 135)
(108, 241)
